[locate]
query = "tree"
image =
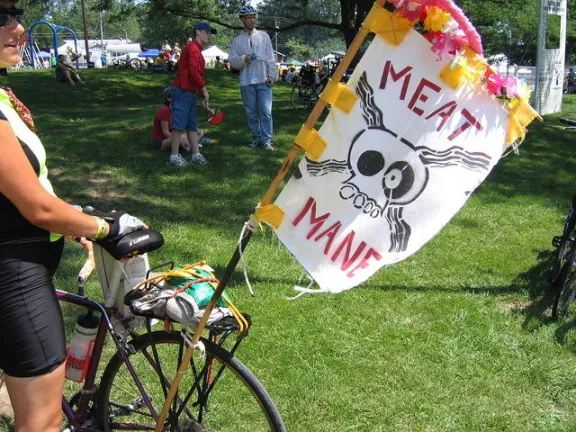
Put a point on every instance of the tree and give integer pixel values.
(506, 26)
(298, 49)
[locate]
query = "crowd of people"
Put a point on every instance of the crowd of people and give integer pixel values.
(175, 125)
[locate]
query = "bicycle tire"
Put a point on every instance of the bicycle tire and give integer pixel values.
(565, 246)
(301, 97)
(238, 401)
(563, 251)
(567, 291)
(135, 64)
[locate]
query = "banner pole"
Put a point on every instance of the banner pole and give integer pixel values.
(267, 199)
(199, 328)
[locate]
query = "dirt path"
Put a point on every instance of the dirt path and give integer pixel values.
(5, 406)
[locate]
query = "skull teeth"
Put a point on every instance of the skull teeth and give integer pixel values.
(361, 201)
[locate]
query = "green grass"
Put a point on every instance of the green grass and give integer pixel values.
(457, 337)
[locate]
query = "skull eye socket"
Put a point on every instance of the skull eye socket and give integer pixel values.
(370, 163)
(398, 180)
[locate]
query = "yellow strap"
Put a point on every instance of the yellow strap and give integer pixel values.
(339, 95)
(311, 141)
(475, 60)
(521, 115)
(392, 27)
(271, 214)
(454, 73)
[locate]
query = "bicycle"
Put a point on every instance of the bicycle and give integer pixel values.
(563, 277)
(310, 84)
(126, 63)
(217, 393)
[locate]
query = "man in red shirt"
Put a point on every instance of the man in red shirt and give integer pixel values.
(188, 84)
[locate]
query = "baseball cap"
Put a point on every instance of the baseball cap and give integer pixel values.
(204, 26)
(167, 92)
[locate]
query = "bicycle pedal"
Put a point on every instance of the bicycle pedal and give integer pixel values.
(557, 241)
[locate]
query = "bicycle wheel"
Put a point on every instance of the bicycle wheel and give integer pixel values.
(567, 291)
(300, 97)
(135, 64)
(217, 392)
(564, 246)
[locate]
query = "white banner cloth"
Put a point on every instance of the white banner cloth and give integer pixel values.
(396, 169)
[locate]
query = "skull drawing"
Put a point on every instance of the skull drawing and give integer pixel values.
(386, 177)
(387, 172)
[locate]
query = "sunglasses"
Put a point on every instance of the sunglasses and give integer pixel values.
(8, 14)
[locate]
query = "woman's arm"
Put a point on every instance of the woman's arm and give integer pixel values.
(19, 183)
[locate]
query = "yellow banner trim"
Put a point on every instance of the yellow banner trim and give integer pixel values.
(521, 115)
(453, 74)
(339, 95)
(271, 214)
(311, 141)
(392, 27)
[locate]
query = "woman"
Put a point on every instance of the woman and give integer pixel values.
(32, 343)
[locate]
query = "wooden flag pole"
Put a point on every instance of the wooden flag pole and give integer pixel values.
(267, 199)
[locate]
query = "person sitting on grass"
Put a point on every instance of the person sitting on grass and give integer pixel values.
(162, 127)
(65, 72)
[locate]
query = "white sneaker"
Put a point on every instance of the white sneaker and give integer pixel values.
(198, 159)
(177, 160)
(267, 146)
(255, 143)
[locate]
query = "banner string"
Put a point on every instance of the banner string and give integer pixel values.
(251, 225)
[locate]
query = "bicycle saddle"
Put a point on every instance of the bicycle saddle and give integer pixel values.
(135, 243)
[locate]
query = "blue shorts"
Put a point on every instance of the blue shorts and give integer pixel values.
(183, 106)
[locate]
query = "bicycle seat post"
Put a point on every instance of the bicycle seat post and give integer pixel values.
(80, 286)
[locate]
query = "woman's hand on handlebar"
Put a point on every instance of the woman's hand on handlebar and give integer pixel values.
(121, 224)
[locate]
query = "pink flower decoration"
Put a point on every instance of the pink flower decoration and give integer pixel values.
(442, 45)
(459, 42)
(465, 25)
(413, 11)
(432, 37)
(496, 82)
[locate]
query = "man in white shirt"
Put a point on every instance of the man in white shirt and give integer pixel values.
(251, 53)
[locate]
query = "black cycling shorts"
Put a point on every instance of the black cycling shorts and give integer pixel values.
(32, 339)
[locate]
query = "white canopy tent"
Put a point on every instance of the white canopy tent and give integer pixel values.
(124, 48)
(113, 48)
(210, 54)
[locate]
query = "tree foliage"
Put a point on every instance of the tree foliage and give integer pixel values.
(506, 26)
(119, 21)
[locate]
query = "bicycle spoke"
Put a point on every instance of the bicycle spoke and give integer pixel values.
(217, 393)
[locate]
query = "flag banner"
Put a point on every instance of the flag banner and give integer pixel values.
(400, 159)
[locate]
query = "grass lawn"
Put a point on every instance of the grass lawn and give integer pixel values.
(457, 337)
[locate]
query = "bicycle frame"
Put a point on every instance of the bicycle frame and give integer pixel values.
(79, 419)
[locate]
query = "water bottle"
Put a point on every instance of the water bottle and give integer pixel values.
(80, 349)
